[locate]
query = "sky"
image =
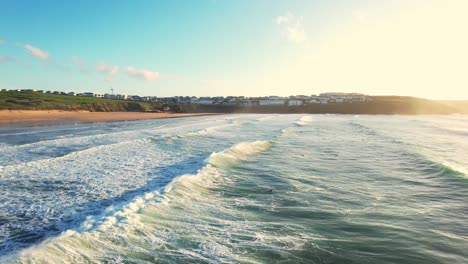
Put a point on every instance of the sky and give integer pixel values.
(237, 47)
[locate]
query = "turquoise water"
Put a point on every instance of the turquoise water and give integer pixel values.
(237, 189)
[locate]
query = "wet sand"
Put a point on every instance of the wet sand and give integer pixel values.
(50, 117)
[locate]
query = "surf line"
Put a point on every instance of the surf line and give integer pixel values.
(201, 132)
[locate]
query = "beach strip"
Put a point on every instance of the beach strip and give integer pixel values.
(52, 117)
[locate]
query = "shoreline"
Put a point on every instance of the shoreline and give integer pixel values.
(60, 117)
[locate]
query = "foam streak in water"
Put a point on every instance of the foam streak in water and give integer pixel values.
(122, 223)
(304, 121)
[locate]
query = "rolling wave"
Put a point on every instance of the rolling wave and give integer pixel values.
(104, 175)
(364, 129)
(209, 192)
(237, 153)
(431, 167)
(208, 130)
(304, 121)
(59, 147)
(123, 221)
(452, 170)
(202, 132)
(450, 131)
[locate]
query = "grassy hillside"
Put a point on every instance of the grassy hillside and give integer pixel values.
(379, 105)
(462, 106)
(385, 105)
(40, 101)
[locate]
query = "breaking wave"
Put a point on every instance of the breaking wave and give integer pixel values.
(331, 194)
(118, 225)
(304, 121)
(450, 169)
(237, 153)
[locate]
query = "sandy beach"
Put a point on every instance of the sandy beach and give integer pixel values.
(49, 117)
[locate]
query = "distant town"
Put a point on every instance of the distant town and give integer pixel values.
(293, 100)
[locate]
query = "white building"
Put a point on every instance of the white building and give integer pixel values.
(295, 102)
(86, 94)
(324, 100)
(121, 97)
(272, 102)
(133, 98)
(205, 101)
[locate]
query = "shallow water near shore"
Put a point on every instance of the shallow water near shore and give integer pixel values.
(237, 189)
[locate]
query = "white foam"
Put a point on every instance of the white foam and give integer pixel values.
(70, 187)
(207, 131)
(117, 218)
(456, 167)
(56, 147)
(304, 120)
(237, 153)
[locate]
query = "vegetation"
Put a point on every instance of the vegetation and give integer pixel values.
(385, 105)
(461, 105)
(378, 105)
(41, 101)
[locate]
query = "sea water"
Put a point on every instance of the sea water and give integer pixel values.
(237, 189)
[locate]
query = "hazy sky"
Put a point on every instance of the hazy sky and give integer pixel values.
(238, 47)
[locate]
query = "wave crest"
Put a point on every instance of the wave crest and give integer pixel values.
(237, 153)
(447, 168)
(304, 121)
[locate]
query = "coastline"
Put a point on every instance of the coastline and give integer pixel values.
(56, 117)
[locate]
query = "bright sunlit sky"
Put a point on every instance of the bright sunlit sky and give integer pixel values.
(238, 47)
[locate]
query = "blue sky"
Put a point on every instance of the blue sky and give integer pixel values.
(221, 47)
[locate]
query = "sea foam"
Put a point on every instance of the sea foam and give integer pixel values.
(237, 153)
(304, 121)
(117, 219)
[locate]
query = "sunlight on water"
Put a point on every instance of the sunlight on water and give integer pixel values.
(237, 188)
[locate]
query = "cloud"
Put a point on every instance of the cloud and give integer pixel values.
(2, 41)
(410, 49)
(281, 19)
(5, 58)
(359, 15)
(105, 68)
(141, 73)
(292, 26)
(80, 64)
(36, 52)
(296, 34)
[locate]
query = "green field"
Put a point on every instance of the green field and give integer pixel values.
(41, 101)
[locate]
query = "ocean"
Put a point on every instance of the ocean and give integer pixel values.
(237, 189)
